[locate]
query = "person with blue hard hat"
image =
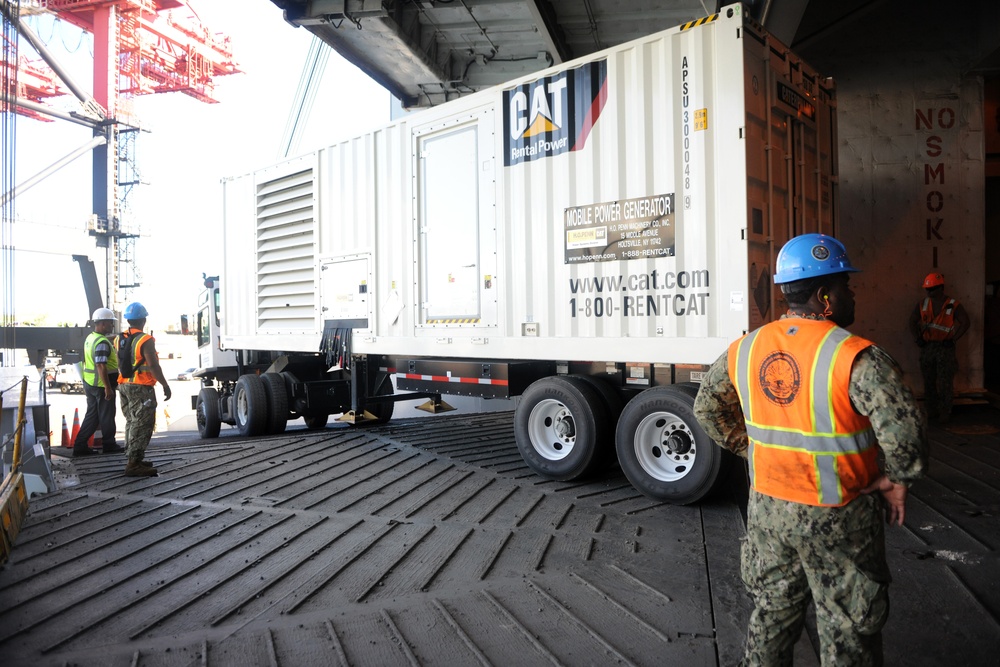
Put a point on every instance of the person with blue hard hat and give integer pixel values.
(139, 371)
(833, 438)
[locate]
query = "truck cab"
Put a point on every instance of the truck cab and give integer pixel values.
(211, 357)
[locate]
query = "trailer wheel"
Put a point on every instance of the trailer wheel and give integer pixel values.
(728, 458)
(689, 387)
(277, 403)
(382, 387)
(559, 426)
(250, 405)
(315, 422)
(614, 404)
(612, 399)
(662, 449)
(207, 413)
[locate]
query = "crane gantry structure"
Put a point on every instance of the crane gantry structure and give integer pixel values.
(141, 47)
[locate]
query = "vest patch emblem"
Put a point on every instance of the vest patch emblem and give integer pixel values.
(780, 378)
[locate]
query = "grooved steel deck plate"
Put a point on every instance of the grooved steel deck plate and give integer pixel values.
(426, 542)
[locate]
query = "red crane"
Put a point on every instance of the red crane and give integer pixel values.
(140, 47)
(34, 82)
(150, 46)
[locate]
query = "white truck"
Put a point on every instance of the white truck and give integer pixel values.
(589, 239)
(66, 378)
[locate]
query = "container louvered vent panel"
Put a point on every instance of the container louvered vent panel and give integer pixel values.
(286, 238)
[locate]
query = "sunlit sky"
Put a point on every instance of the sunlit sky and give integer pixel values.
(189, 147)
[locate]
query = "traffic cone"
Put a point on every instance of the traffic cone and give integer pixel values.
(76, 423)
(66, 442)
(95, 440)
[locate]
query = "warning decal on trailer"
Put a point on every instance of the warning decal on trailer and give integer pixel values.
(554, 114)
(629, 229)
(802, 106)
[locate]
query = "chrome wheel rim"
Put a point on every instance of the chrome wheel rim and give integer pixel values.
(665, 446)
(552, 429)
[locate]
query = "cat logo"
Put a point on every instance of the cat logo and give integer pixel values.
(780, 378)
(548, 104)
(554, 114)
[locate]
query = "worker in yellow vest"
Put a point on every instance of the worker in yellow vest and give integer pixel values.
(813, 409)
(937, 323)
(140, 370)
(100, 378)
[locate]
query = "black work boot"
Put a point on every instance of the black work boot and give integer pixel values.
(136, 469)
(82, 451)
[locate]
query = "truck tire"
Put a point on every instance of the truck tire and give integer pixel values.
(64, 388)
(559, 426)
(250, 405)
(662, 449)
(207, 413)
(382, 387)
(316, 422)
(689, 387)
(614, 404)
(609, 395)
(277, 403)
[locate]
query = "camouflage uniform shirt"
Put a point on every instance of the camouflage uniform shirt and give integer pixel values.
(833, 556)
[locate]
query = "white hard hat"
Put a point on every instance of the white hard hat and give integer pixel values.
(104, 314)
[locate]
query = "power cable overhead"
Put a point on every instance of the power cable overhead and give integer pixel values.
(305, 96)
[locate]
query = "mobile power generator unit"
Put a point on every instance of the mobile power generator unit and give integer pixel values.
(589, 239)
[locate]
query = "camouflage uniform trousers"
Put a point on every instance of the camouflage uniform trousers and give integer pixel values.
(138, 403)
(938, 365)
(833, 555)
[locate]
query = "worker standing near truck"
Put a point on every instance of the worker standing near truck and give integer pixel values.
(140, 371)
(100, 378)
(810, 406)
(937, 323)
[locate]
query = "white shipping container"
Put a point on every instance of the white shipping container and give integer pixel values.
(616, 217)
(626, 206)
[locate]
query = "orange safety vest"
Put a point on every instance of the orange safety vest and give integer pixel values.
(807, 443)
(142, 373)
(942, 327)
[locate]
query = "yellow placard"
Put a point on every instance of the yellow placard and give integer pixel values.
(700, 120)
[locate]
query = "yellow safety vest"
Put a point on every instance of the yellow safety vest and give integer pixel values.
(90, 375)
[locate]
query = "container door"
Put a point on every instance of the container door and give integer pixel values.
(456, 222)
(791, 165)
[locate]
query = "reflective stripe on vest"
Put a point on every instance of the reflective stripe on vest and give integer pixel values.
(141, 372)
(942, 326)
(807, 444)
(90, 375)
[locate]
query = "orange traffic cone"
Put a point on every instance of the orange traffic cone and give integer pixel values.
(66, 442)
(76, 423)
(95, 440)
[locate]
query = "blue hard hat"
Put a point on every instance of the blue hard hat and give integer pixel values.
(810, 256)
(135, 311)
